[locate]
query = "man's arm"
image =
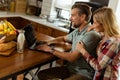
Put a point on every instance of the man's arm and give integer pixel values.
(68, 56)
(58, 40)
(63, 38)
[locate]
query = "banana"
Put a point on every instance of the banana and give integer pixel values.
(10, 25)
(1, 27)
(1, 32)
(5, 28)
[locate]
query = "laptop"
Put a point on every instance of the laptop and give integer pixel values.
(31, 39)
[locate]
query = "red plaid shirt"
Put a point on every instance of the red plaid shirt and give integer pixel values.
(108, 60)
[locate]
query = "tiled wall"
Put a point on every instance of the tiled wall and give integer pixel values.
(32, 2)
(48, 7)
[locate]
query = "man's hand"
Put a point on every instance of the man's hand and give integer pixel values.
(44, 47)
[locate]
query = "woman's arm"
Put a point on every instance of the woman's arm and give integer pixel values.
(106, 53)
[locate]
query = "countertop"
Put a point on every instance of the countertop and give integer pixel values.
(35, 19)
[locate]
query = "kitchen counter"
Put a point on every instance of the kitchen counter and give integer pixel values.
(35, 19)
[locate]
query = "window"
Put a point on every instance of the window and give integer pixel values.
(66, 4)
(63, 4)
(63, 8)
(63, 14)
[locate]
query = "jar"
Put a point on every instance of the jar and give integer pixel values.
(20, 41)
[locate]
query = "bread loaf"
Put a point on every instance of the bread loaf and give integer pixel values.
(7, 38)
(7, 52)
(8, 45)
(10, 38)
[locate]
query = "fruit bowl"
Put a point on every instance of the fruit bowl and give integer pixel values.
(7, 28)
(7, 31)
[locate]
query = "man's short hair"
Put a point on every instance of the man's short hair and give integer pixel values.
(83, 9)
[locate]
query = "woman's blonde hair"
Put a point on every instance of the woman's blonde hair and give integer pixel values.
(106, 17)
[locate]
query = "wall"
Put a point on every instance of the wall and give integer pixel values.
(48, 7)
(115, 5)
(32, 2)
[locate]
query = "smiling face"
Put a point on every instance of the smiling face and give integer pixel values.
(80, 14)
(105, 22)
(97, 26)
(75, 17)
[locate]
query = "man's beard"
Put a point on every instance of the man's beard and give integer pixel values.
(76, 25)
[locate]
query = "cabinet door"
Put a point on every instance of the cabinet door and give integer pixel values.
(3, 18)
(18, 22)
(44, 29)
(15, 21)
(57, 33)
(24, 22)
(20, 6)
(35, 25)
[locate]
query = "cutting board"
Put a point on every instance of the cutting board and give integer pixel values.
(8, 52)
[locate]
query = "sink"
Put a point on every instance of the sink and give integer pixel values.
(62, 24)
(57, 22)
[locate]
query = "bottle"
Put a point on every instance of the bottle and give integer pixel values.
(20, 41)
(12, 6)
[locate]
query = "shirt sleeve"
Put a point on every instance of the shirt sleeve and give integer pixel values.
(91, 38)
(70, 36)
(106, 54)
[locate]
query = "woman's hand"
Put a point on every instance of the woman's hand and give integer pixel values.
(80, 47)
(2, 39)
(90, 28)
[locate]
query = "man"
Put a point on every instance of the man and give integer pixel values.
(76, 65)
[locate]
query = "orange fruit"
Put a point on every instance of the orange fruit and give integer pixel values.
(12, 32)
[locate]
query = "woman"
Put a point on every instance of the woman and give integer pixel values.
(108, 53)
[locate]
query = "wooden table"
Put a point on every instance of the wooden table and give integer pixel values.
(18, 63)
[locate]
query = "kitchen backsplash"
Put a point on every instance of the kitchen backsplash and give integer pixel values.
(48, 7)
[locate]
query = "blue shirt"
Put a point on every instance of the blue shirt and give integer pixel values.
(90, 40)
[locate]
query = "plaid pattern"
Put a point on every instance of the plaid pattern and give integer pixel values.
(108, 61)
